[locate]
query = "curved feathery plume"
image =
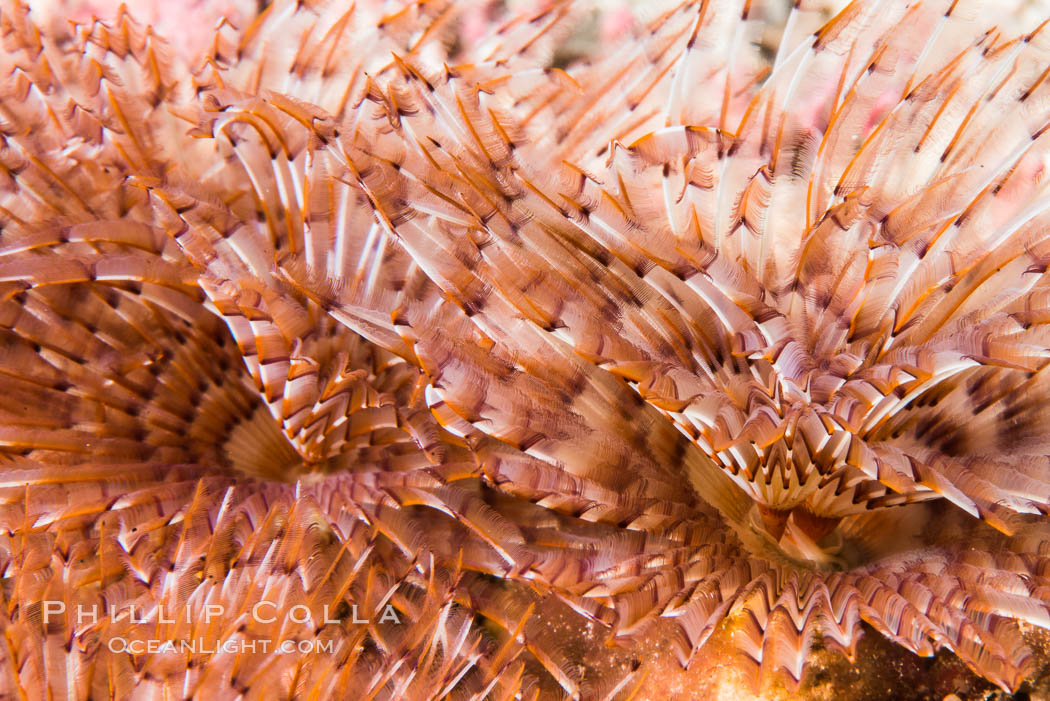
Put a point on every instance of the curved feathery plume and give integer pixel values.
(454, 373)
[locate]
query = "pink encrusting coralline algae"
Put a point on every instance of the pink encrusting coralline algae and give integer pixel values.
(400, 351)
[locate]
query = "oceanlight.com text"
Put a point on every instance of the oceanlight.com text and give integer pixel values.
(201, 646)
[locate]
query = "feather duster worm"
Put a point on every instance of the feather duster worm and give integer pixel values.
(468, 376)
